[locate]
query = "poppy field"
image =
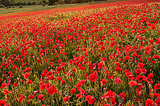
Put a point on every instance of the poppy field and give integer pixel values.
(102, 56)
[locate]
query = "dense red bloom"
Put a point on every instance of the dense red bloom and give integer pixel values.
(74, 70)
(51, 90)
(38, 61)
(150, 76)
(118, 80)
(110, 77)
(21, 99)
(149, 102)
(93, 77)
(26, 75)
(90, 99)
(158, 102)
(3, 54)
(66, 99)
(104, 59)
(118, 69)
(123, 95)
(62, 81)
(29, 81)
(55, 91)
(103, 81)
(138, 71)
(100, 65)
(51, 77)
(15, 84)
(59, 68)
(3, 103)
(156, 56)
(112, 100)
(151, 41)
(109, 94)
(127, 57)
(82, 91)
(140, 65)
(73, 90)
(133, 83)
(6, 92)
(155, 95)
(3, 85)
(157, 86)
(40, 96)
(30, 97)
(42, 86)
(59, 78)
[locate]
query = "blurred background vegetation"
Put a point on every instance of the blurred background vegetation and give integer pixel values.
(12, 6)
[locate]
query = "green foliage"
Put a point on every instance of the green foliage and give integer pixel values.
(5, 2)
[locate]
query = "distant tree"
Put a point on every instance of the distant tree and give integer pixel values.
(44, 1)
(25, 3)
(33, 3)
(29, 3)
(5, 2)
(12, 2)
(52, 1)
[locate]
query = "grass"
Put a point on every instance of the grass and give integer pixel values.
(40, 7)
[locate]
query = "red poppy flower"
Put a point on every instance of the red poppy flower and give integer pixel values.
(103, 81)
(112, 100)
(3, 103)
(156, 56)
(29, 81)
(118, 69)
(73, 90)
(93, 77)
(158, 102)
(21, 99)
(42, 86)
(30, 97)
(50, 90)
(66, 99)
(140, 65)
(150, 76)
(133, 83)
(15, 84)
(26, 75)
(123, 95)
(90, 99)
(157, 86)
(3, 54)
(51, 77)
(40, 96)
(100, 65)
(62, 81)
(127, 57)
(109, 94)
(118, 80)
(59, 78)
(149, 102)
(6, 92)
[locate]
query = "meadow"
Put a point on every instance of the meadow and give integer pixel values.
(92, 55)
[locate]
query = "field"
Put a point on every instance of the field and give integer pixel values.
(104, 54)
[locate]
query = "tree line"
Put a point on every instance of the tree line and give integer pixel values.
(6, 3)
